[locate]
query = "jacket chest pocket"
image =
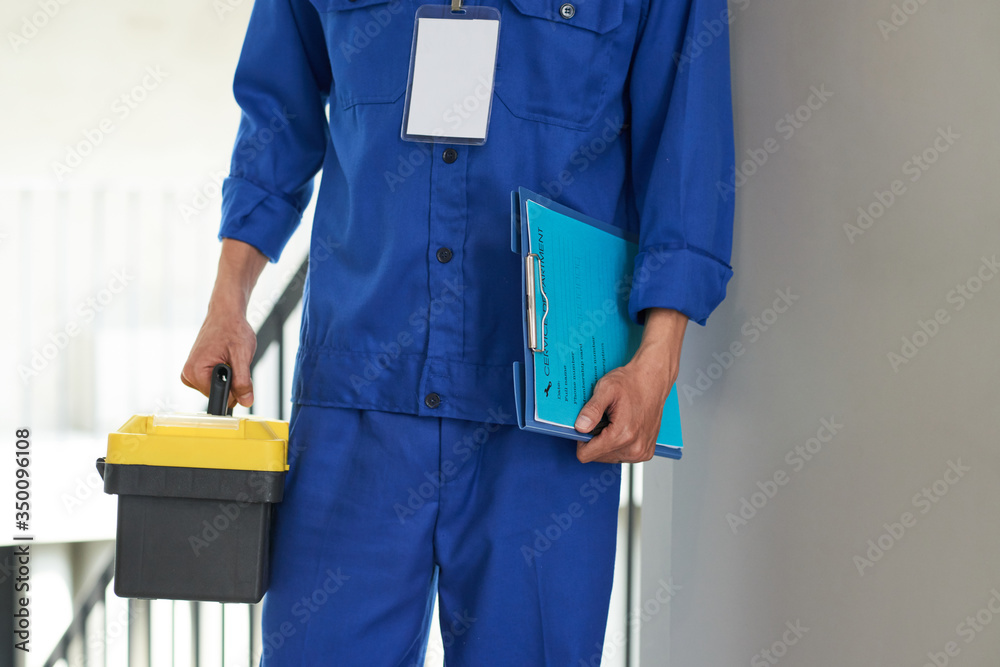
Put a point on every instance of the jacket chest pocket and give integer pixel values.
(369, 46)
(555, 59)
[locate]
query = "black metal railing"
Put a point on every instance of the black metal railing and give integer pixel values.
(73, 648)
(77, 626)
(272, 330)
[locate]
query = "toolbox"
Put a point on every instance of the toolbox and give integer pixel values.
(195, 495)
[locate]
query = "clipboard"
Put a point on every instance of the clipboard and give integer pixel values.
(543, 335)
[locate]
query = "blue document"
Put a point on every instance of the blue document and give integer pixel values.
(576, 282)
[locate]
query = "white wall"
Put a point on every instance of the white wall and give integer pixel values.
(826, 357)
(69, 74)
(142, 92)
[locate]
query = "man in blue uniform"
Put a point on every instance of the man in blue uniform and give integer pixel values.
(408, 477)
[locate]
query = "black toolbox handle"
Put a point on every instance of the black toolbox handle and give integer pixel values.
(218, 392)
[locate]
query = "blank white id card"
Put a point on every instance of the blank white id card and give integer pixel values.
(452, 66)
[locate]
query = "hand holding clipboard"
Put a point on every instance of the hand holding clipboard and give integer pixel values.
(576, 326)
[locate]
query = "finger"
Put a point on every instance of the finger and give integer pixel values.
(617, 435)
(241, 390)
(617, 456)
(594, 409)
(628, 454)
(598, 447)
(636, 450)
(196, 376)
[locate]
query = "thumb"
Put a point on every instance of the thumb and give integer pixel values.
(592, 412)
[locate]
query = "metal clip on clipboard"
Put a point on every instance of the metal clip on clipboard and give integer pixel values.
(535, 342)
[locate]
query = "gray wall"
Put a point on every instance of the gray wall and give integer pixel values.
(902, 423)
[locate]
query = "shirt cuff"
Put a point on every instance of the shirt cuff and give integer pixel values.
(686, 279)
(255, 216)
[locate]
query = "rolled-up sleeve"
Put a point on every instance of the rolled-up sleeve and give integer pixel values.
(282, 84)
(682, 149)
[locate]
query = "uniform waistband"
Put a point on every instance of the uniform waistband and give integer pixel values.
(407, 383)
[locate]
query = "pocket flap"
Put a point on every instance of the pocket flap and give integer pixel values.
(325, 6)
(598, 16)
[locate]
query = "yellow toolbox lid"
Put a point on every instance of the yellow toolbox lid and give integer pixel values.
(201, 441)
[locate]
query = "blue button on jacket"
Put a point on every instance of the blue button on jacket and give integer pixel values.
(621, 111)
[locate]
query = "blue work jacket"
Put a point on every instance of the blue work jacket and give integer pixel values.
(620, 109)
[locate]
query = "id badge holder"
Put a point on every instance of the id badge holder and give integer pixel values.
(449, 93)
